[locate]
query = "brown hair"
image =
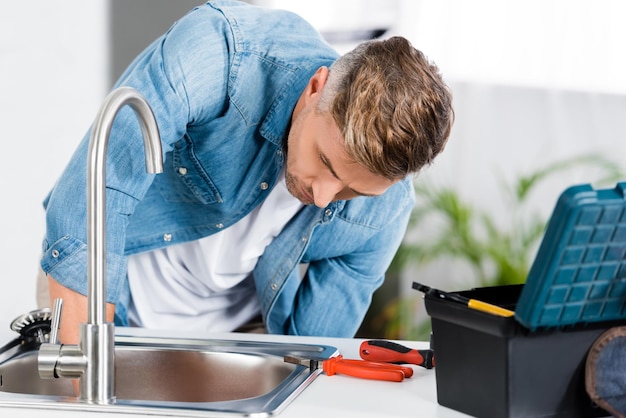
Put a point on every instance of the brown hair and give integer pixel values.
(392, 106)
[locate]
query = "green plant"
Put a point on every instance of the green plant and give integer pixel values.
(468, 234)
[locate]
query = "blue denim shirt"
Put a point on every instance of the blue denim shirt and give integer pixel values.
(223, 83)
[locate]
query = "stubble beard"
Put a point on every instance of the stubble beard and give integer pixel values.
(294, 186)
(296, 189)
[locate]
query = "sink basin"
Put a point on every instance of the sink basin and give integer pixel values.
(163, 376)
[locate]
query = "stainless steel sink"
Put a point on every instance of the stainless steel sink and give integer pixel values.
(186, 377)
(136, 374)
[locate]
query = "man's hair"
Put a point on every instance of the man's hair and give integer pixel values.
(391, 105)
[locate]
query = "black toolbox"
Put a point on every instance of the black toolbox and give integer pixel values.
(532, 364)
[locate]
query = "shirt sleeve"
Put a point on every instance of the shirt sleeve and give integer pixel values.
(183, 76)
(347, 260)
(336, 292)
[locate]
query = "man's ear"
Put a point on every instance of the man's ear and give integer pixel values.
(311, 93)
(318, 81)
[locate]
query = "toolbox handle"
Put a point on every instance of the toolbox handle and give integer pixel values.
(621, 188)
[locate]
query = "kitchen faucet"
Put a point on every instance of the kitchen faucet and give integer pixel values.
(92, 360)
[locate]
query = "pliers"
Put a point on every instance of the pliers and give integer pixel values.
(363, 369)
(390, 352)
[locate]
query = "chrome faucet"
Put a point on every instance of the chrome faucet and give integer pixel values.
(93, 359)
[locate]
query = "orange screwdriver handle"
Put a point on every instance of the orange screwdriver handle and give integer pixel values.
(361, 369)
(390, 352)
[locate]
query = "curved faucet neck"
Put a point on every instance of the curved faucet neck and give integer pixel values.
(96, 187)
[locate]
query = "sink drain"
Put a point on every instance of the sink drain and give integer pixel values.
(34, 324)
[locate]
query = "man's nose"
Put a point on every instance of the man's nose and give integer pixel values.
(325, 191)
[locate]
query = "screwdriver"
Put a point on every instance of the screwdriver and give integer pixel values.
(470, 303)
(389, 352)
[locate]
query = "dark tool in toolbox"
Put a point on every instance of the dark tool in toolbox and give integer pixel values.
(389, 352)
(356, 368)
(470, 303)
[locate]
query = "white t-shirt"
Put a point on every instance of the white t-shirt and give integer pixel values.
(206, 285)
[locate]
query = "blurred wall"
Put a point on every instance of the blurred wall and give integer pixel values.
(534, 83)
(53, 76)
(135, 24)
(59, 60)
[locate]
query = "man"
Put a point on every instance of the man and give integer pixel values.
(279, 159)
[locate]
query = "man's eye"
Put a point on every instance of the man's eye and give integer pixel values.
(323, 160)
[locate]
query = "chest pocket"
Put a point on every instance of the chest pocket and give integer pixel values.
(184, 179)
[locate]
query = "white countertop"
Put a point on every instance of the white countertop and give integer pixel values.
(328, 396)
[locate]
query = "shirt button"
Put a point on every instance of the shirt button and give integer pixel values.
(328, 212)
(167, 237)
(182, 171)
(264, 186)
(274, 286)
(219, 225)
(55, 253)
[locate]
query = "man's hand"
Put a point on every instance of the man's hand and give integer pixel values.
(74, 311)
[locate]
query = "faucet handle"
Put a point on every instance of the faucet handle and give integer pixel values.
(50, 352)
(57, 309)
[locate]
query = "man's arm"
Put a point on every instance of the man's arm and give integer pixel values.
(185, 83)
(74, 311)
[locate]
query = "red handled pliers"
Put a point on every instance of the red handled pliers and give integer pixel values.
(390, 352)
(356, 368)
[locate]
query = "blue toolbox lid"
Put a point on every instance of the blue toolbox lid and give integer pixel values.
(579, 272)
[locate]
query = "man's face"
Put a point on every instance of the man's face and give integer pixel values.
(319, 170)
